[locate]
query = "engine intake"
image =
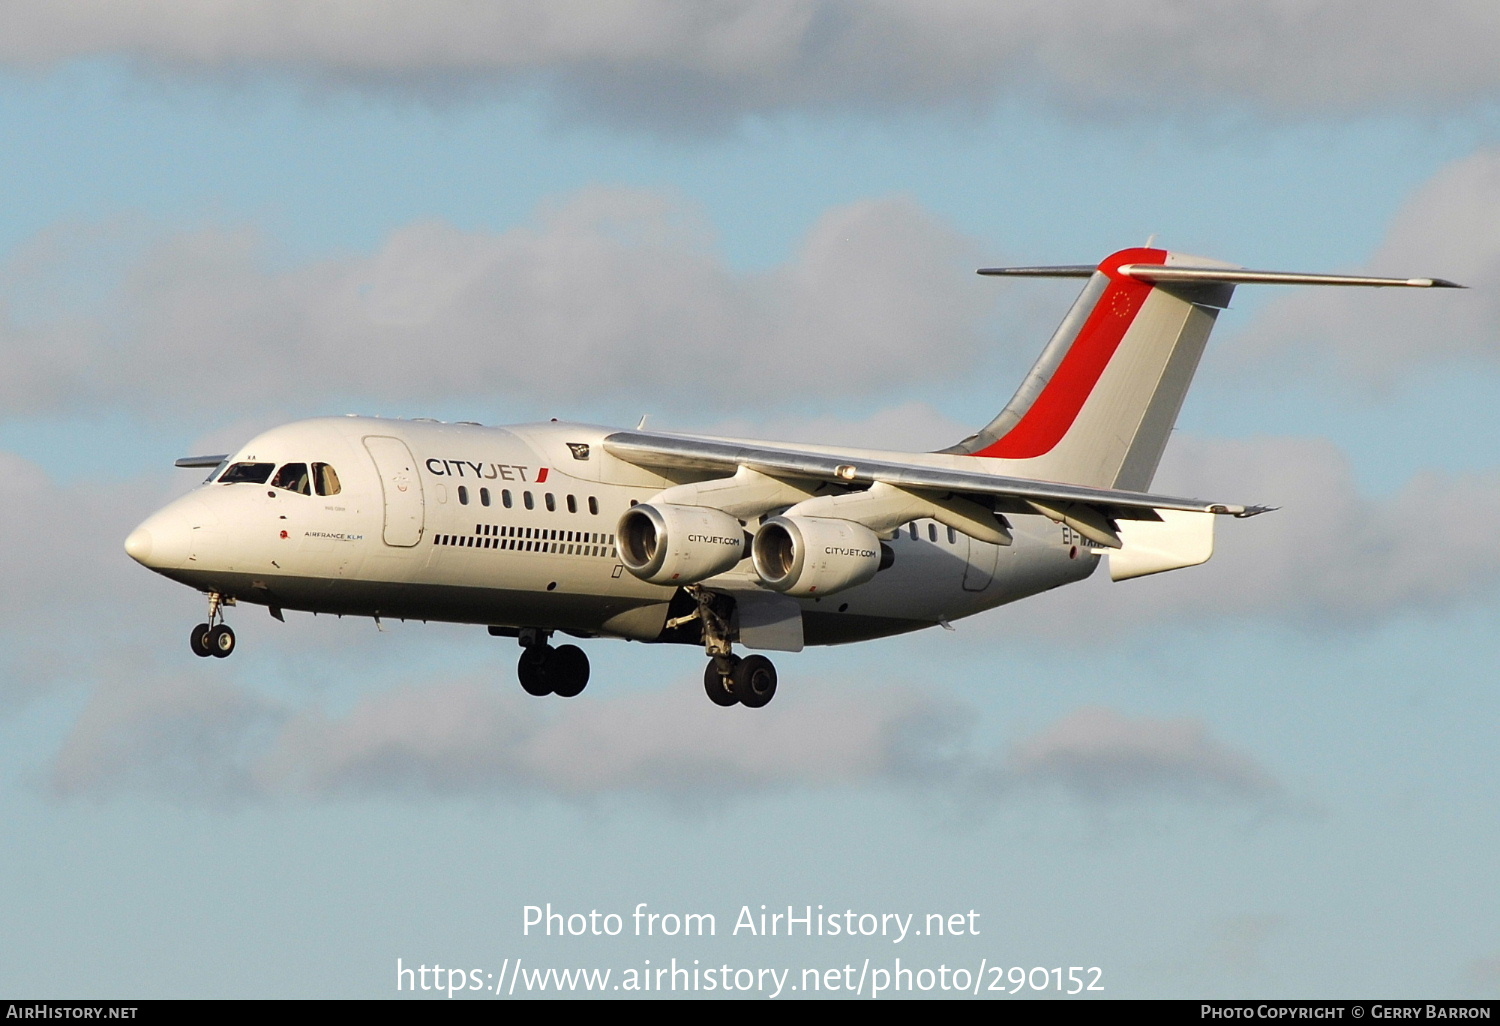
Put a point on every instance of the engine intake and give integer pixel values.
(802, 556)
(669, 544)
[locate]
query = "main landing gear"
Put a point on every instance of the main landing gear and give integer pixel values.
(728, 679)
(214, 638)
(544, 670)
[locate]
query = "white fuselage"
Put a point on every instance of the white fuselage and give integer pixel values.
(515, 528)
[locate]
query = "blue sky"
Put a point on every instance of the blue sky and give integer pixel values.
(1270, 775)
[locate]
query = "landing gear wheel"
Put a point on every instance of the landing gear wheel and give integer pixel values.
(754, 681)
(198, 641)
(533, 670)
(568, 669)
(719, 691)
(221, 641)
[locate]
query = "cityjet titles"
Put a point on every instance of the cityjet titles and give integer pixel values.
(715, 539)
(482, 471)
(834, 550)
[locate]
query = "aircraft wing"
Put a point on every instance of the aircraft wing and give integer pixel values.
(1008, 494)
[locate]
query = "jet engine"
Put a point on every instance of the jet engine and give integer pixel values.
(804, 556)
(667, 544)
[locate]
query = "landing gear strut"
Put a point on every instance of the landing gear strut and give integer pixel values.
(544, 670)
(728, 679)
(214, 638)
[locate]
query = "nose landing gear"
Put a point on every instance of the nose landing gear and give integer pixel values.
(214, 638)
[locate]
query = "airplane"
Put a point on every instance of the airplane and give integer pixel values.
(593, 532)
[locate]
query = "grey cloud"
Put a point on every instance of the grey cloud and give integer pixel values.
(176, 737)
(194, 741)
(64, 570)
(709, 63)
(1450, 228)
(608, 292)
(1101, 756)
(911, 427)
(459, 738)
(1483, 974)
(1329, 557)
(198, 741)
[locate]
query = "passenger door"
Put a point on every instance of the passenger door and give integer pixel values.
(402, 488)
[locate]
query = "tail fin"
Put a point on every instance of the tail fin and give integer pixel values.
(1099, 405)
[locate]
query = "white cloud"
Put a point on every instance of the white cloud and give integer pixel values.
(690, 64)
(609, 292)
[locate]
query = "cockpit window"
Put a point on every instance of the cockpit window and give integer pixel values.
(215, 472)
(247, 473)
(327, 481)
(292, 477)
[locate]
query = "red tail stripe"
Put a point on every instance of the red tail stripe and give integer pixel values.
(1055, 409)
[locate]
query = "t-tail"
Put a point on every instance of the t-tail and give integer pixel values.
(1100, 403)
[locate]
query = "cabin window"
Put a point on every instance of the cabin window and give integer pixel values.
(292, 477)
(932, 532)
(247, 473)
(593, 505)
(484, 496)
(572, 504)
(528, 500)
(551, 503)
(505, 497)
(952, 536)
(325, 479)
(463, 495)
(911, 529)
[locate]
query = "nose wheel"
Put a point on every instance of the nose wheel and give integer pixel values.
(212, 641)
(214, 638)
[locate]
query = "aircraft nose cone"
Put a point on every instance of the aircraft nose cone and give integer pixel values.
(138, 546)
(165, 539)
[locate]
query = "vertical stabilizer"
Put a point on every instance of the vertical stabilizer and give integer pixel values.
(1099, 405)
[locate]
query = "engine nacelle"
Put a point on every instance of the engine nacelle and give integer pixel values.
(669, 544)
(814, 556)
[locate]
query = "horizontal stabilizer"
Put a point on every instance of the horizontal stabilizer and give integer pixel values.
(1166, 274)
(188, 462)
(1156, 273)
(1069, 271)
